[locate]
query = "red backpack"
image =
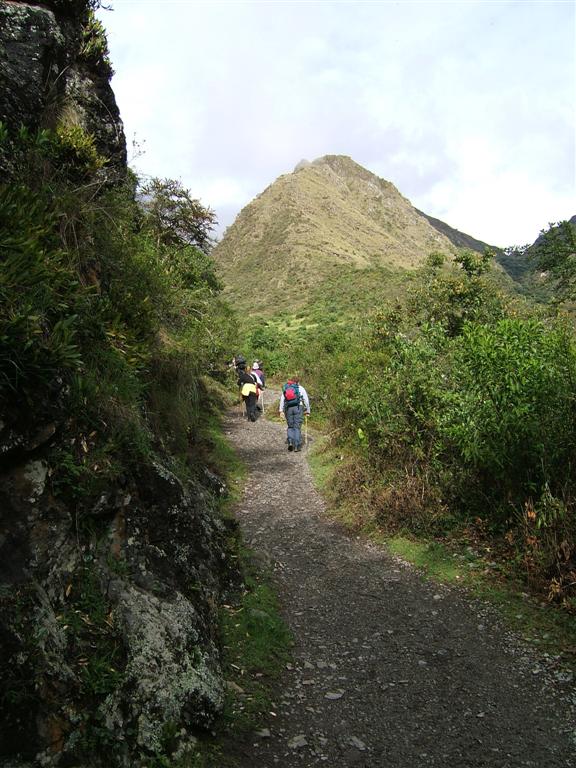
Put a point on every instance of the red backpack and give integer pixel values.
(291, 392)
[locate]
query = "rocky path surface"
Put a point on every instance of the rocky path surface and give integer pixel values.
(390, 671)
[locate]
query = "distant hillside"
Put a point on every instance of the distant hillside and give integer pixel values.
(457, 238)
(521, 265)
(309, 224)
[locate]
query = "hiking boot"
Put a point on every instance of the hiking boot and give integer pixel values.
(290, 446)
(298, 448)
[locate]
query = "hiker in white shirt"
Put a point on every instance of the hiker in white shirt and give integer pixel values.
(294, 405)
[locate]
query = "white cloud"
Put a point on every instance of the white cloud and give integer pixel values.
(468, 108)
(222, 192)
(500, 206)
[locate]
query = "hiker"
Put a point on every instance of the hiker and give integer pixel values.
(294, 404)
(260, 380)
(239, 363)
(257, 371)
(248, 385)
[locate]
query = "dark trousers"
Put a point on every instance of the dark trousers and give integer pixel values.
(294, 417)
(250, 402)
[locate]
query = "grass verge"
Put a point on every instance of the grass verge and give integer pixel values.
(257, 646)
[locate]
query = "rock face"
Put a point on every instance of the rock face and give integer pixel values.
(49, 74)
(108, 628)
(108, 600)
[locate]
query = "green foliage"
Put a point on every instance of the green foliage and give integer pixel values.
(450, 298)
(39, 296)
(510, 410)
(272, 345)
(555, 252)
(89, 627)
(100, 302)
(174, 217)
(451, 407)
(473, 263)
(52, 159)
(73, 148)
(94, 49)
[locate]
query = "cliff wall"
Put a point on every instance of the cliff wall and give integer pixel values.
(55, 70)
(108, 591)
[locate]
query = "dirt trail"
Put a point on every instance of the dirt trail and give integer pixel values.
(390, 670)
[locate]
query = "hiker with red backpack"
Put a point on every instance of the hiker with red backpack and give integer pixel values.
(294, 405)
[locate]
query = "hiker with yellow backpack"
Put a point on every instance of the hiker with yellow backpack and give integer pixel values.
(248, 389)
(294, 406)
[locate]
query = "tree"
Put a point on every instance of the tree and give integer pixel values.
(174, 217)
(555, 253)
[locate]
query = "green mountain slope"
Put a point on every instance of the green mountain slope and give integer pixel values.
(457, 238)
(327, 216)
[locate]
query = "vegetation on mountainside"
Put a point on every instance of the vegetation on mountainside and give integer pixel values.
(555, 253)
(112, 336)
(541, 270)
(331, 311)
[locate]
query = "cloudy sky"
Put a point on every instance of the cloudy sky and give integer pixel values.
(469, 108)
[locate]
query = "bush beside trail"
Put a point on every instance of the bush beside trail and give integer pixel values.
(454, 412)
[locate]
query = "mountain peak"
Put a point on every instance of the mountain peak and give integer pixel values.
(327, 214)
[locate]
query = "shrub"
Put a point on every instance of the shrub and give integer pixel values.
(74, 150)
(509, 414)
(457, 406)
(38, 297)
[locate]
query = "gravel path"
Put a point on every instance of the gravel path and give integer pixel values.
(390, 671)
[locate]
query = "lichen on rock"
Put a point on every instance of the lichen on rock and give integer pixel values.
(170, 675)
